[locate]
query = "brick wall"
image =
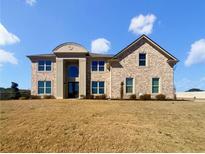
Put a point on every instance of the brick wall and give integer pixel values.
(128, 66)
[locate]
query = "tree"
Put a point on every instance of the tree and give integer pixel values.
(14, 91)
(194, 90)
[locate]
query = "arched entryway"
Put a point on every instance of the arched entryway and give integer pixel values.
(73, 83)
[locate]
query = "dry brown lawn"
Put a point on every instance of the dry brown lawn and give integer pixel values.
(101, 126)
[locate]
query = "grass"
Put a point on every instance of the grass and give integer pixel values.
(101, 126)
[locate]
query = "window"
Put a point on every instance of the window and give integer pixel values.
(101, 65)
(98, 87)
(129, 85)
(94, 65)
(73, 71)
(41, 65)
(40, 87)
(142, 59)
(44, 65)
(98, 65)
(44, 87)
(48, 87)
(155, 85)
(48, 65)
(101, 87)
(94, 87)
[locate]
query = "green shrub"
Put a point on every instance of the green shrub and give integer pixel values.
(145, 97)
(160, 97)
(47, 97)
(82, 96)
(25, 93)
(90, 96)
(103, 96)
(133, 97)
(23, 98)
(35, 97)
(13, 92)
(9, 93)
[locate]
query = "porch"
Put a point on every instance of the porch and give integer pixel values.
(70, 77)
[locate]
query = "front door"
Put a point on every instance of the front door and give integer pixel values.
(73, 89)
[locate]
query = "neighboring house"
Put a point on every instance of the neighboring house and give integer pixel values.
(191, 95)
(72, 72)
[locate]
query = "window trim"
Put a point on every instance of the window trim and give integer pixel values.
(41, 88)
(102, 66)
(92, 66)
(95, 87)
(98, 66)
(159, 85)
(44, 66)
(101, 88)
(91, 88)
(133, 85)
(141, 60)
(44, 87)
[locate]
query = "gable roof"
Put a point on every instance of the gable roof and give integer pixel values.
(94, 55)
(100, 55)
(150, 41)
(114, 57)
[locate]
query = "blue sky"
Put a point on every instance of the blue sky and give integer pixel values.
(38, 26)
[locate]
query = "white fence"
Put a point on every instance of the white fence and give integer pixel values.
(190, 95)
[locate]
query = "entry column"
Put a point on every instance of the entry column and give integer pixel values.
(82, 77)
(59, 79)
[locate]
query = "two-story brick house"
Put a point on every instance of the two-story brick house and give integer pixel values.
(71, 71)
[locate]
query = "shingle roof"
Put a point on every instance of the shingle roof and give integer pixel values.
(100, 55)
(41, 55)
(90, 54)
(97, 55)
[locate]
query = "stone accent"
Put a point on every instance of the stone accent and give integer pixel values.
(59, 78)
(82, 77)
(128, 66)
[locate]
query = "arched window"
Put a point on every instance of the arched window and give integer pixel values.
(73, 71)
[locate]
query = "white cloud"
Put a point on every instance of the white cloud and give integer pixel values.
(7, 37)
(196, 53)
(142, 24)
(100, 45)
(31, 2)
(7, 57)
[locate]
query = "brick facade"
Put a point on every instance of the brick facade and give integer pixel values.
(117, 69)
(128, 66)
(43, 76)
(98, 76)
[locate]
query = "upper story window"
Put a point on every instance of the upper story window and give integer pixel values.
(44, 87)
(94, 65)
(129, 85)
(73, 71)
(98, 87)
(101, 65)
(155, 85)
(44, 65)
(142, 59)
(98, 65)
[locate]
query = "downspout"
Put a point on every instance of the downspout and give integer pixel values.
(110, 82)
